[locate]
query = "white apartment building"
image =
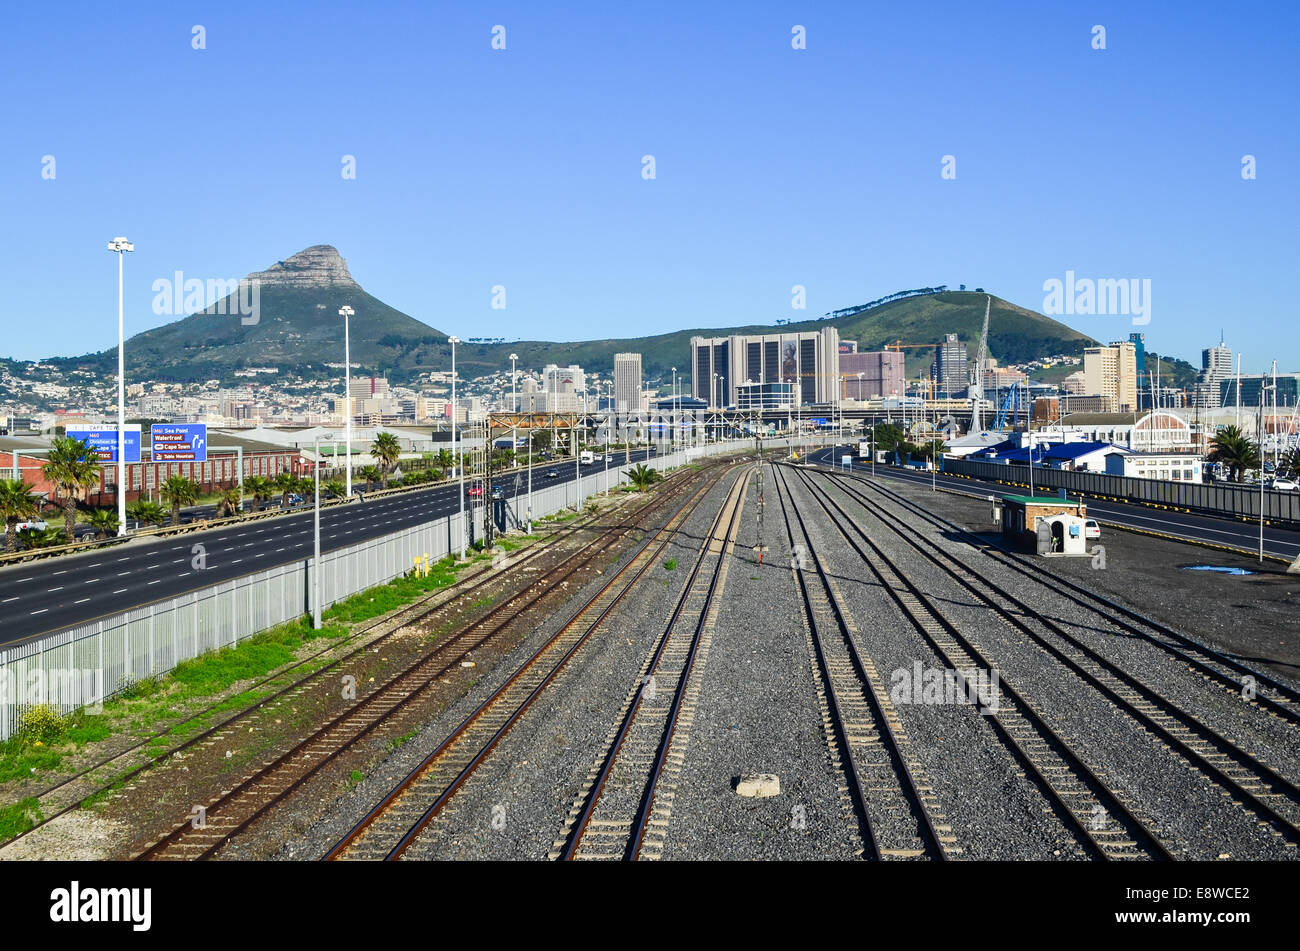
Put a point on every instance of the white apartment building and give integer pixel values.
(627, 382)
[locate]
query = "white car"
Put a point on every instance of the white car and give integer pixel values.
(36, 526)
(1284, 485)
(1091, 529)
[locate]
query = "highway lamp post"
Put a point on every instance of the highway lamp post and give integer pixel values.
(120, 246)
(609, 424)
(460, 468)
(315, 564)
(346, 312)
(577, 456)
(1262, 391)
(514, 429)
(672, 445)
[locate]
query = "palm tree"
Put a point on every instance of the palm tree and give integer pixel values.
(260, 488)
(285, 483)
(43, 538)
(1232, 449)
(104, 521)
(444, 462)
(385, 451)
(371, 474)
(148, 513)
(16, 503)
(232, 501)
(335, 487)
(1291, 461)
(73, 467)
(179, 490)
(643, 477)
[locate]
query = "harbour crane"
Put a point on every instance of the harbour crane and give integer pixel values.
(977, 391)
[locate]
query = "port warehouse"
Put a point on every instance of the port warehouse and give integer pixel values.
(1236, 501)
(81, 664)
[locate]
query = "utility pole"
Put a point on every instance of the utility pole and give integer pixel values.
(760, 547)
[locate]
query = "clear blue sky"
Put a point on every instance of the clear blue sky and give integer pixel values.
(775, 167)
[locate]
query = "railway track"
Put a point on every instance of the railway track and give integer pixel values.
(1256, 786)
(392, 826)
(236, 808)
(1103, 824)
(626, 802)
(467, 588)
(1268, 694)
(898, 814)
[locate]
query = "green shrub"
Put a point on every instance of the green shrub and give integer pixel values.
(41, 723)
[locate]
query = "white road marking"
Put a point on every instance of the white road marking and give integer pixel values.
(155, 581)
(7, 600)
(119, 591)
(82, 601)
(41, 611)
(52, 590)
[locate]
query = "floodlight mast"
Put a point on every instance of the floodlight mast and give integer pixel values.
(120, 246)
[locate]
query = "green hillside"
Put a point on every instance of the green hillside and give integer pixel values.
(1015, 334)
(297, 327)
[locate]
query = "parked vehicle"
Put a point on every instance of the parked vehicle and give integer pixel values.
(1284, 485)
(1091, 529)
(36, 525)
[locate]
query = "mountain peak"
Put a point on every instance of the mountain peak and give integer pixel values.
(317, 266)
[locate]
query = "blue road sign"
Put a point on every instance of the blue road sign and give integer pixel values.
(104, 442)
(179, 442)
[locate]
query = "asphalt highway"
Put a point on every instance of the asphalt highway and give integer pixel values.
(1280, 542)
(45, 596)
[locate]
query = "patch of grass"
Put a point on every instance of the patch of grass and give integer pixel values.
(131, 689)
(20, 760)
(670, 564)
(18, 818)
(86, 728)
(398, 741)
(356, 777)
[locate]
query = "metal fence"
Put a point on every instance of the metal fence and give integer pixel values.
(80, 666)
(1218, 499)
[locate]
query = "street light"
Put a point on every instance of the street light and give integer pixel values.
(345, 312)
(672, 445)
(577, 457)
(514, 430)
(609, 424)
(455, 461)
(120, 246)
(315, 565)
(1262, 391)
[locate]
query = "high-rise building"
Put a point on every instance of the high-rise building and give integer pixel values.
(882, 374)
(1111, 371)
(810, 359)
(949, 367)
(627, 382)
(1139, 342)
(557, 379)
(1216, 367)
